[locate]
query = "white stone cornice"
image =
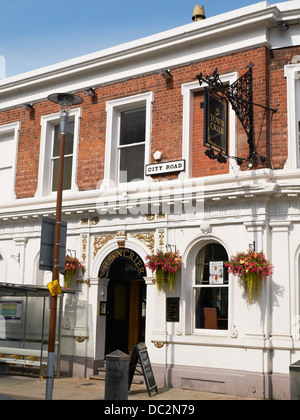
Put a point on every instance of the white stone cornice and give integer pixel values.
(280, 226)
(234, 31)
(214, 188)
(254, 226)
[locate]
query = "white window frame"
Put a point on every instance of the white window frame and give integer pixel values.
(292, 74)
(114, 109)
(55, 159)
(15, 129)
(188, 90)
(48, 123)
(126, 147)
(205, 331)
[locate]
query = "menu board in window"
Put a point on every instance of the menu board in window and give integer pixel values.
(216, 272)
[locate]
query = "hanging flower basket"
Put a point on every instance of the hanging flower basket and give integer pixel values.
(71, 266)
(250, 267)
(165, 265)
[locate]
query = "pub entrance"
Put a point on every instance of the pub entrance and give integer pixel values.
(126, 300)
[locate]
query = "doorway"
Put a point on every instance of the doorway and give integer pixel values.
(126, 307)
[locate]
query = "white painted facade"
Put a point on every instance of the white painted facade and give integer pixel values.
(234, 209)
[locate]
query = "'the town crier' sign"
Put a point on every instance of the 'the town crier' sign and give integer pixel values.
(215, 121)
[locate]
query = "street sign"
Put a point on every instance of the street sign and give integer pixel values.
(54, 288)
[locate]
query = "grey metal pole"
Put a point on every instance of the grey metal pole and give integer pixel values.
(55, 272)
(49, 381)
(65, 100)
(61, 299)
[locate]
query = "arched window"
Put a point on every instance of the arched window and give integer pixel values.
(211, 288)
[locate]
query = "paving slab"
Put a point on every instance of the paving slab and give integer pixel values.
(27, 388)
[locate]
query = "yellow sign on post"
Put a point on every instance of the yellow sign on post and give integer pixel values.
(54, 287)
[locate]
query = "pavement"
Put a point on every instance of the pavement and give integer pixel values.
(13, 387)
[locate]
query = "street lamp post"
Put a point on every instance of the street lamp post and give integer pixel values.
(65, 101)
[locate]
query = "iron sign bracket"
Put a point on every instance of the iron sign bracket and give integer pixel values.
(240, 96)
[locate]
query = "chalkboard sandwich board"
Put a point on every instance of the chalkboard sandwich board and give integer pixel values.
(139, 354)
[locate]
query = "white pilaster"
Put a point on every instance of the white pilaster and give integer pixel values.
(281, 319)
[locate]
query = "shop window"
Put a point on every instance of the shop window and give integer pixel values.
(127, 147)
(211, 288)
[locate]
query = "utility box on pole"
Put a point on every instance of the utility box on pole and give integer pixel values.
(47, 245)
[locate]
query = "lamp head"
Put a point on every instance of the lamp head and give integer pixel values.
(65, 101)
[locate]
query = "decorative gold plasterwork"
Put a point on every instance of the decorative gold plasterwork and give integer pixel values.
(121, 237)
(160, 216)
(80, 339)
(83, 281)
(161, 236)
(100, 241)
(122, 234)
(146, 238)
(158, 344)
(150, 217)
(84, 249)
(94, 221)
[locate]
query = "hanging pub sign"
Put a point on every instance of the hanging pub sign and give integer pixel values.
(215, 121)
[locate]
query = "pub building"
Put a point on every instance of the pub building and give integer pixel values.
(186, 141)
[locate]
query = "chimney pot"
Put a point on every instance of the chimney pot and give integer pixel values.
(198, 13)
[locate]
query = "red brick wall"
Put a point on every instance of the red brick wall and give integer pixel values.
(202, 166)
(166, 119)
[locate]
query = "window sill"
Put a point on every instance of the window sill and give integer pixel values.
(214, 340)
(210, 339)
(210, 333)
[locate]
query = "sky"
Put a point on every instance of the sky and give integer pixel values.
(38, 33)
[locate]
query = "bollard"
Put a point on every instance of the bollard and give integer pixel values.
(295, 380)
(116, 376)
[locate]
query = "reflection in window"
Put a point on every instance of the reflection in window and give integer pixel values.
(211, 288)
(132, 145)
(68, 157)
